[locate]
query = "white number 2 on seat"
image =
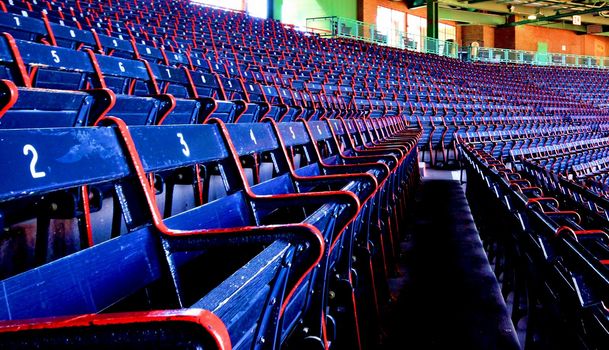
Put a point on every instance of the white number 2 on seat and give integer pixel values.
(27, 149)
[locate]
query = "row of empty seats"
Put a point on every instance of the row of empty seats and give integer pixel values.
(550, 251)
(256, 223)
(279, 72)
(186, 175)
(166, 195)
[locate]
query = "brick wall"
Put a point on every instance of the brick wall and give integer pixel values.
(527, 38)
(505, 38)
(558, 40)
(519, 38)
(469, 34)
(367, 12)
(488, 36)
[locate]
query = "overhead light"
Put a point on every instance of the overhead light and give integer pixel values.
(536, 15)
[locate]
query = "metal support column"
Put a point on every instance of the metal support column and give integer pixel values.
(431, 42)
(432, 19)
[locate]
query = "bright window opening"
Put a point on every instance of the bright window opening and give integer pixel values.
(417, 30)
(447, 32)
(238, 5)
(390, 26)
(256, 8)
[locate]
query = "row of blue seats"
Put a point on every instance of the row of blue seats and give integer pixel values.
(533, 143)
(280, 104)
(76, 39)
(550, 251)
(590, 168)
(594, 141)
(86, 86)
(582, 194)
(199, 81)
(564, 163)
(256, 223)
(523, 131)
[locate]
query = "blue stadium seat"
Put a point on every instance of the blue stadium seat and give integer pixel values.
(265, 251)
(42, 92)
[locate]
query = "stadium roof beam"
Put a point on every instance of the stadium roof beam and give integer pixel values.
(489, 7)
(559, 25)
(557, 16)
(471, 17)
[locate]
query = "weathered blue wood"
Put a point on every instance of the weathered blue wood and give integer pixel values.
(249, 291)
(41, 108)
(52, 56)
(57, 67)
(72, 37)
(177, 59)
(175, 81)
(182, 145)
(223, 110)
(251, 114)
(175, 78)
(186, 111)
(99, 277)
(117, 71)
(121, 47)
(67, 158)
(229, 211)
(337, 126)
(150, 53)
(293, 133)
(85, 282)
(136, 110)
(339, 258)
(252, 137)
(277, 185)
(165, 148)
(22, 27)
(206, 84)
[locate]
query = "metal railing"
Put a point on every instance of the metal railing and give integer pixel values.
(338, 27)
(486, 54)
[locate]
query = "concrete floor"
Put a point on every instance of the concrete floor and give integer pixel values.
(445, 293)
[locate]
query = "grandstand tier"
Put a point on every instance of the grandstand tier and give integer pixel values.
(180, 176)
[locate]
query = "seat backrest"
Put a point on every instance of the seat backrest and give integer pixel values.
(116, 46)
(22, 27)
(114, 273)
(49, 165)
(73, 38)
(127, 76)
(47, 79)
(53, 164)
(150, 53)
(174, 81)
(57, 67)
(42, 108)
(234, 89)
(207, 85)
(199, 61)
